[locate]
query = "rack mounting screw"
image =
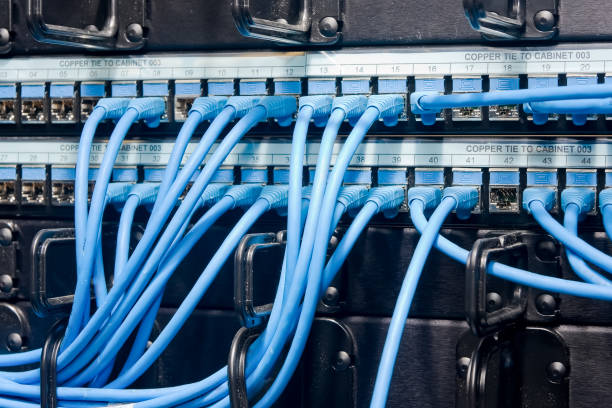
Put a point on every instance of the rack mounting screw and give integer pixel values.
(5, 36)
(331, 296)
(494, 301)
(546, 304)
(328, 26)
(544, 20)
(556, 371)
(14, 341)
(343, 361)
(6, 236)
(134, 32)
(6, 283)
(462, 366)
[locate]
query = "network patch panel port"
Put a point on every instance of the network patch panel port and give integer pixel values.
(467, 85)
(8, 184)
(62, 185)
(504, 190)
(33, 103)
(33, 180)
(8, 95)
(503, 112)
(62, 103)
(430, 85)
(185, 92)
(91, 93)
(92, 175)
(503, 199)
(62, 193)
(157, 89)
(470, 178)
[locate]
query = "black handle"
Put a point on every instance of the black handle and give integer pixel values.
(314, 24)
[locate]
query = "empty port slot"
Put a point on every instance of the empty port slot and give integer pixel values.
(90, 189)
(62, 193)
(7, 192)
(33, 111)
(33, 192)
(62, 110)
(87, 106)
(503, 112)
(503, 199)
(187, 188)
(467, 113)
(182, 105)
(7, 111)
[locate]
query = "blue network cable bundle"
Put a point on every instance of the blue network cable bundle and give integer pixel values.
(351, 227)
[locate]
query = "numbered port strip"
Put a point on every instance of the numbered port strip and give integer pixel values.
(388, 62)
(372, 153)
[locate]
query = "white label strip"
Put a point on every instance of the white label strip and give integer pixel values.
(385, 153)
(377, 62)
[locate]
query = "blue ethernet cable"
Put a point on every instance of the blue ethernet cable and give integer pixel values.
(319, 109)
(461, 199)
(387, 108)
(350, 199)
(379, 200)
(538, 201)
(253, 110)
(519, 276)
(211, 195)
(139, 195)
(271, 197)
(605, 206)
(386, 200)
(150, 110)
(280, 107)
(428, 104)
(348, 107)
(202, 109)
(578, 108)
(576, 202)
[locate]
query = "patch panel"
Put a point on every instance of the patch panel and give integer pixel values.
(91, 93)
(185, 92)
(503, 112)
(33, 185)
(62, 99)
(8, 99)
(62, 185)
(8, 184)
(33, 103)
(467, 84)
